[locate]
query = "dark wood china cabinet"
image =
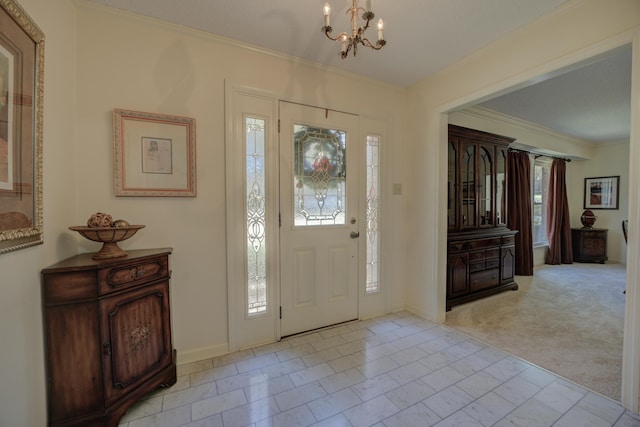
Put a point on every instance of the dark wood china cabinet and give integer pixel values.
(480, 247)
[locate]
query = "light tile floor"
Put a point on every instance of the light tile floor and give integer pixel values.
(394, 370)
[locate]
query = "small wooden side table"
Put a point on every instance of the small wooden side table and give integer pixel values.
(589, 244)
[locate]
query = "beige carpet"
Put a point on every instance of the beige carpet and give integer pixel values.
(567, 319)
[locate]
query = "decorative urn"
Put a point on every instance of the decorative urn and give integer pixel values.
(588, 218)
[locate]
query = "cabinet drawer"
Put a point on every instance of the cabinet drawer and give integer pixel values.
(492, 253)
(508, 240)
(484, 279)
(484, 243)
(126, 275)
(476, 266)
(476, 256)
(493, 263)
(457, 246)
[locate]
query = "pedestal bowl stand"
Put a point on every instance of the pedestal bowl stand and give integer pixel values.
(109, 237)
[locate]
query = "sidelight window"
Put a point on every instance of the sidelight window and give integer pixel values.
(256, 219)
(373, 214)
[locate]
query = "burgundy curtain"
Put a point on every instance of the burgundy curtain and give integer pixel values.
(519, 210)
(558, 223)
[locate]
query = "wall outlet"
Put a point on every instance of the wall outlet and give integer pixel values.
(397, 189)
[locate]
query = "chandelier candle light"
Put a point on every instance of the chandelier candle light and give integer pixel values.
(349, 41)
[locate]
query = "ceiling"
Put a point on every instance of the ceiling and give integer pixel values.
(423, 37)
(591, 101)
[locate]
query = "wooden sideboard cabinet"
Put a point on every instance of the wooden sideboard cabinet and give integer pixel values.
(589, 244)
(107, 328)
(479, 266)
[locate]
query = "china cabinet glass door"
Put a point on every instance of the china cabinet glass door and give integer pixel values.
(485, 186)
(452, 186)
(468, 184)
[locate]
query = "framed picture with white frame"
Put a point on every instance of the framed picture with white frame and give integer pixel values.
(154, 154)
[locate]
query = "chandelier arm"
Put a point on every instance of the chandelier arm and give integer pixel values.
(327, 32)
(367, 17)
(379, 44)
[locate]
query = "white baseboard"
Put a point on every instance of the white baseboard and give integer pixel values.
(202, 353)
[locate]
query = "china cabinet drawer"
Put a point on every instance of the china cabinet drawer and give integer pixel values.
(484, 279)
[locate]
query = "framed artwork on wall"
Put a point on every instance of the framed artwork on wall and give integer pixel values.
(21, 91)
(601, 192)
(154, 154)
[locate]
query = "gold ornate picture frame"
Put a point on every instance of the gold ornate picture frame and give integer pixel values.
(154, 154)
(21, 109)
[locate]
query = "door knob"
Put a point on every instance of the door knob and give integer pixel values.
(354, 234)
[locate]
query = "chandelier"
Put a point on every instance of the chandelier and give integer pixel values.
(356, 37)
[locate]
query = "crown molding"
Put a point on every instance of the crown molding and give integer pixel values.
(485, 113)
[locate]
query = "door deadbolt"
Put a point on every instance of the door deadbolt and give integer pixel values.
(354, 234)
(352, 220)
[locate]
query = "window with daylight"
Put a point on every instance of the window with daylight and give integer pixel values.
(255, 202)
(539, 191)
(373, 235)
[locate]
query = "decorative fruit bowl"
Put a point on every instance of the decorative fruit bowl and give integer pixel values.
(109, 237)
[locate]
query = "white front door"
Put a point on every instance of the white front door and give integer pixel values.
(319, 217)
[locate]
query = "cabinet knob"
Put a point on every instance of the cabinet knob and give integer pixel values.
(136, 273)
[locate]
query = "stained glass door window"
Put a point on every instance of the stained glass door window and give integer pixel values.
(319, 176)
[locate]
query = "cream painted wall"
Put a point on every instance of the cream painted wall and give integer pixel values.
(608, 160)
(131, 62)
(22, 389)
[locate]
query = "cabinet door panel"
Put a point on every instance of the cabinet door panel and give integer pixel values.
(74, 368)
(136, 337)
(508, 255)
(457, 274)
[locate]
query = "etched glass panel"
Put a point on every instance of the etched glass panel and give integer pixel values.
(373, 211)
(485, 186)
(319, 176)
(501, 187)
(451, 186)
(255, 202)
(468, 174)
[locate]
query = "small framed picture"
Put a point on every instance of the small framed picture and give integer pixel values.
(154, 154)
(601, 192)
